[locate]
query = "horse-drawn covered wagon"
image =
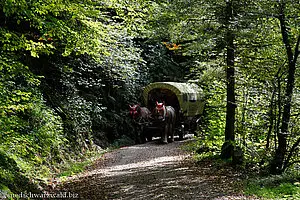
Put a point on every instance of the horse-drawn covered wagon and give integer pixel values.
(174, 107)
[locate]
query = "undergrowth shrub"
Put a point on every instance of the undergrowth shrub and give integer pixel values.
(211, 133)
(31, 134)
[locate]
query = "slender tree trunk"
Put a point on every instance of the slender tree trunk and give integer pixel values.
(272, 106)
(228, 146)
(279, 107)
(280, 153)
(271, 118)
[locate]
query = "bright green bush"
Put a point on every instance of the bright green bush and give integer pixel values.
(30, 132)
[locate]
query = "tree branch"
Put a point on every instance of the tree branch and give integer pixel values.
(296, 54)
(287, 161)
(291, 163)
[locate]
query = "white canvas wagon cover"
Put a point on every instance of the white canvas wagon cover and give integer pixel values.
(189, 95)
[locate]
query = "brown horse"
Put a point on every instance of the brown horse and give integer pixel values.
(167, 117)
(142, 118)
(139, 114)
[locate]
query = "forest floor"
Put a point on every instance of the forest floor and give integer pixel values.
(154, 171)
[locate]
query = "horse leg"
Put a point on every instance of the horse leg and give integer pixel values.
(143, 135)
(164, 137)
(171, 131)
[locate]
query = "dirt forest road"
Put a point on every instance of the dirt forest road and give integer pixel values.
(153, 171)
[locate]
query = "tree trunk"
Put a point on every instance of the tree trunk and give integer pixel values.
(280, 153)
(272, 106)
(228, 146)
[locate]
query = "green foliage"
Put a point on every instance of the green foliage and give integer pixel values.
(12, 178)
(283, 191)
(286, 186)
(211, 133)
(68, 70)
(31, 134)
(260, 65)
(123, 141)
(74, 168)
(163, 64)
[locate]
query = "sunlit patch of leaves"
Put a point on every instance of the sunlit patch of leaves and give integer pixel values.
(286, 186)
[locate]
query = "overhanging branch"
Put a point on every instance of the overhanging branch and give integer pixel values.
(296, 54)
(292, 151)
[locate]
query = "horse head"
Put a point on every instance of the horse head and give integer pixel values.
(134, 111)
(160, 111)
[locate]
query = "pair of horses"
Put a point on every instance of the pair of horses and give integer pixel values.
(164, 115)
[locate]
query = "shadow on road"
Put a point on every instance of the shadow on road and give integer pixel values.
(153, 171)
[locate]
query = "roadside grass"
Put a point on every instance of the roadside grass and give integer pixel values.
(286, 186)
(71, 168)
(74, 168)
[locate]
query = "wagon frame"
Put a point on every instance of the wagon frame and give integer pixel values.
(186, 98)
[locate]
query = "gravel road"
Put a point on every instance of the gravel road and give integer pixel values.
(153, 171)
